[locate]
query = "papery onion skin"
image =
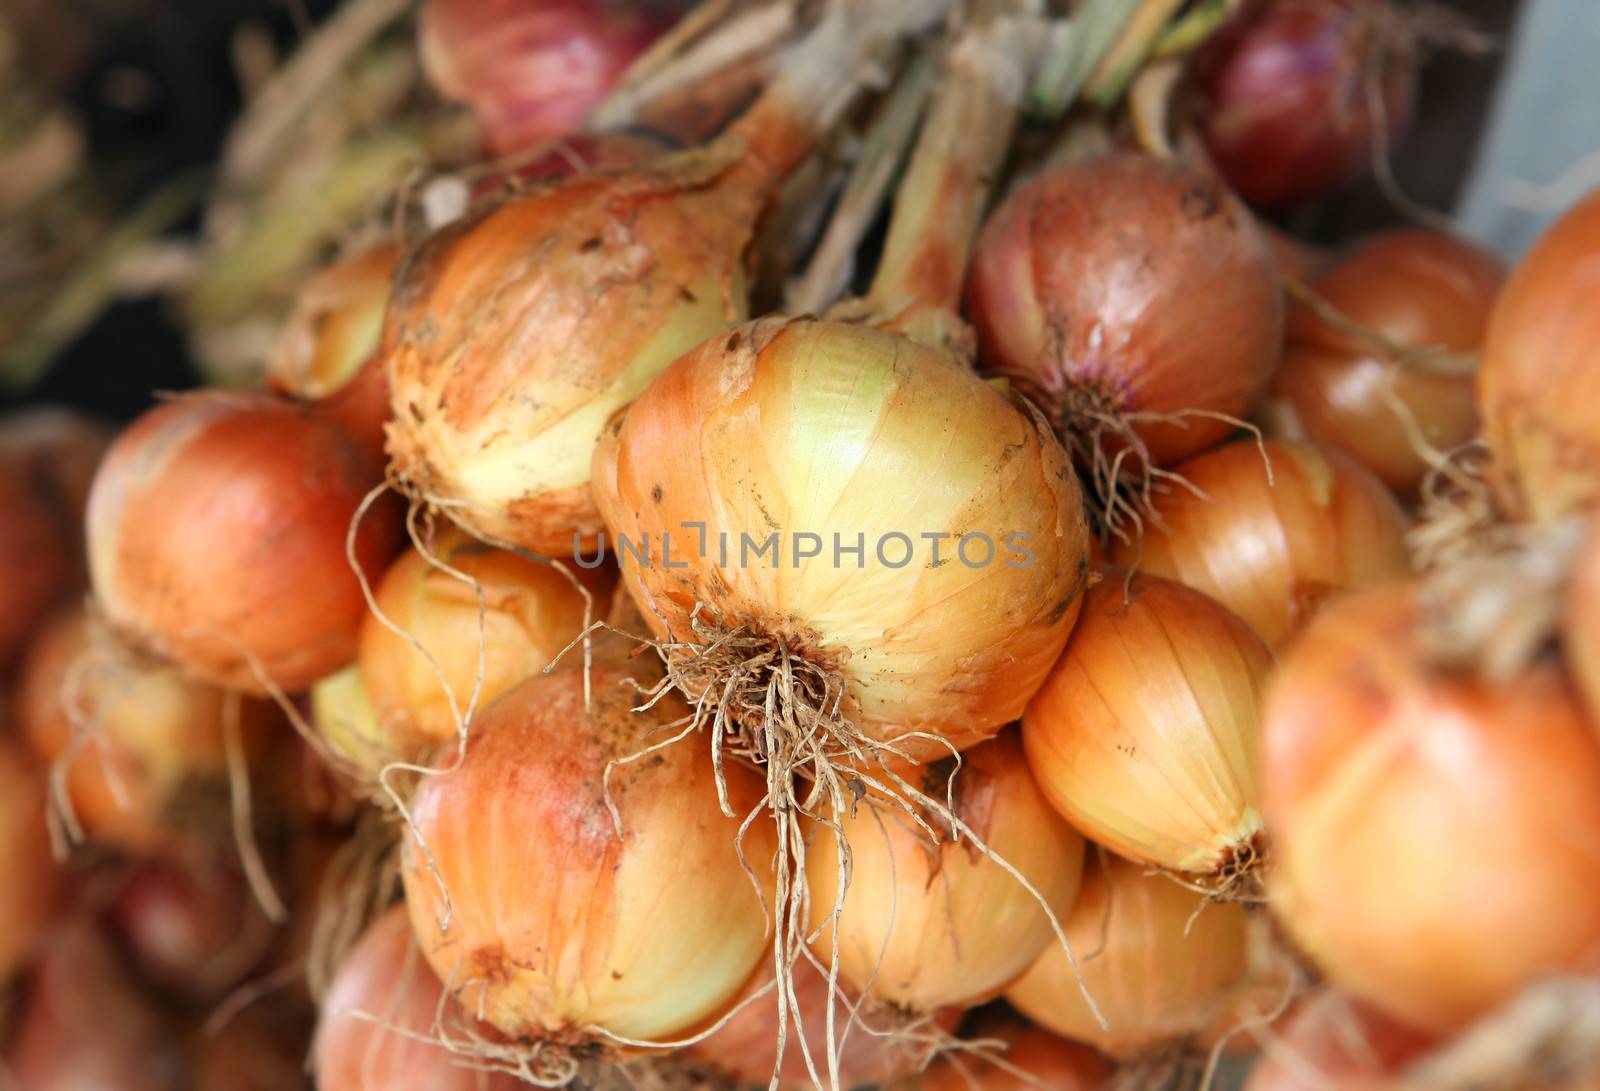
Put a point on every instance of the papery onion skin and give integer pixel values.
(805, 427)
(558, 923)
(1417, 290)
(1164, 972)
(217, 531)
(1044, 1059)
(1273, 551)
(1334, 1041)
(1433, 834)
(1288, 110)
(382, 1000)
(926, 926)
(28, 894)
(1086, 291)
(531, 612)
(1538, 389)
(1145, 734)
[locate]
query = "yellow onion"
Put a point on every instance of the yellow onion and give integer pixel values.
(1334, 1041)
(1421, 301)
(561, 927)
(797, 433)
(217, 538)
(1538, 389)
(1158, 971)
(1032, 1057)
(531, 611)
(142, 748)
(1145, 734)
(514, 335)
(29, 891)
(1271, 550)
(1433, 835)
(927, 924)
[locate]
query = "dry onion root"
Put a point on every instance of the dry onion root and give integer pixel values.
(1145, 734)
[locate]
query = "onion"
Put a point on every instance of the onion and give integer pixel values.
(192, 926)
(532, 69)
(1272, 550)
(1158, 971)
(531, 612)
(1537, 388)
(925, 925)
(152, 757)
(1433, 834)
(1580, 624)
(1033, 1058)
(514, 335)
(1334, 1041)
(217, 529)
(1291, 109)
(881, 1046)
(60, 450)
(1423, 299)
(1086, 291)
(377, 1026)
(82, 1024)
(28, 893)
(1145, 734)
(565, 928)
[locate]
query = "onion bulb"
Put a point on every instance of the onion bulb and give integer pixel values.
(1134, 300)
(1145, 734)
(28, 893)
(217, 528)
(1422, 299)
(1272, 550)
(1433, 835)
(1032, 1057)
(377, 1031)
(924, 924)
(1334, 1041)
(513, 335)
(1158, 971)
(531, 612)
(1538, 391)
(568, 924)
(1580, 626)
(1295, 99)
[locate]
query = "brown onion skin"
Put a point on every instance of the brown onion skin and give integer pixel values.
(385, 978)
(1273, 552)
(27, 896)
(1334, 1041)
(1045, 1060)
(217, 529)
(1415, 289)
(1286, 108)
(1086, 281)
(1433, 834)
(1538, 389)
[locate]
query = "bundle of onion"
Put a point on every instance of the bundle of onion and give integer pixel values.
(217, 539)
(456, 627)
(140, 753)
(873, 1047)
(624, 906)
(1158, 971)
(29, 891)
(325, 352)
(1334, 1041)
(1298, 100)
(1085, 292)
(1272, 540)
(384, 1020)
(1382, 354)
(1027, 1057)
(513, 335)
(1145, 734)
(1538, 391)
(931, 917)
(1433, 834)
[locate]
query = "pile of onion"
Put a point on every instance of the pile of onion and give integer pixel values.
(217, 538)
(1433, 834)
(1145, 734)
(1297, 100)
(573, 898)
(27, 896)
(1272, 539)
(1159, 972)
(1384, 373)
